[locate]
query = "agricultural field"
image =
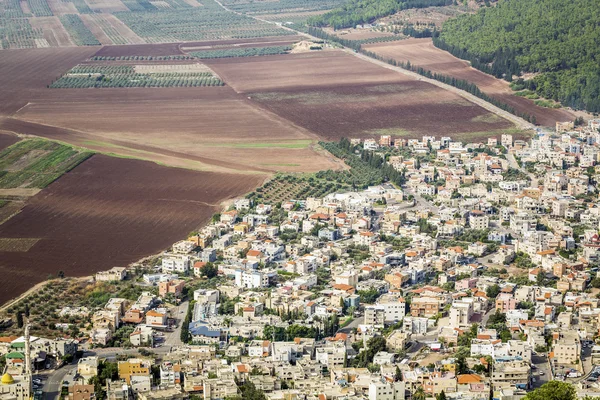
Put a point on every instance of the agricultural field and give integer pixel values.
(36, 163)
(217, 132)
(209, 22)
(335, 94)
(122, 76)
(80, 33)
(242, 52)
(284, 187)
(39, 8)
(206, 128)
(53, 31)
(280, 6)
(140, 58)
(91, 218)
(18, 33)
(422, 53)
(7, 139)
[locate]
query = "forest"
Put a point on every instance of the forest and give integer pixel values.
(557, 40)
(358, 12)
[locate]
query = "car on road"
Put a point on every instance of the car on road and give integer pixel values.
(541, 372)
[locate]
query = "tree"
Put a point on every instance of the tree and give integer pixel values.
(461, 365)
(19, 319)
(249, 392)
(553, 390)
(209, 270)
(397, 375)
(492, 291)
(368, 296)
(419, 394)
(441, 396)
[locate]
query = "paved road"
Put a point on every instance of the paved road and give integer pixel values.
(53, 384)
(172, 339)
(542, 372)
(512, 162)
(421, 203)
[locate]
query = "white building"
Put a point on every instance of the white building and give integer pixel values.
(251, 279)
(387, 390)
(113, 274)
(176, 264)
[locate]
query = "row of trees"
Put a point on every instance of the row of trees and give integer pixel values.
(320, 329)
(242, 52)
(80, 34)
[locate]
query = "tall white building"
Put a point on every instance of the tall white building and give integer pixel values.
(176, 263)
(251, 279)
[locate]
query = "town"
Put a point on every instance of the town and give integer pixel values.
(475, 278)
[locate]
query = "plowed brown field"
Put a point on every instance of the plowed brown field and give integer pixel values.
(422, 53)
(208, 128)
(109, 212)
(7, 139)
(335, 94)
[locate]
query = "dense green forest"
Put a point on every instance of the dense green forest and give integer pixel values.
(356, 12)
(559, 39)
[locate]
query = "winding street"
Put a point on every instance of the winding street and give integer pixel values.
(512, 162)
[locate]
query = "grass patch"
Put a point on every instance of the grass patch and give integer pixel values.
(17, 245)
(36, 163)
(547, 104)
(392, 132)
(489, 118)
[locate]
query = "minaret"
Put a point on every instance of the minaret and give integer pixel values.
(27, 352)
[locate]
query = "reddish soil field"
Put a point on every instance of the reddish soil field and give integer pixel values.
(335, 94)
(300, 71)
(208, 128)
(24, 74)
(54, 31)
(110, 212)
(171, 49)
(409, 109)
(7, 139)
(422, 53)
(163, 49)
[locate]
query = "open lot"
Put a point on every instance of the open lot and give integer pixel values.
(107, 212)
(335, 94)
(422, 53)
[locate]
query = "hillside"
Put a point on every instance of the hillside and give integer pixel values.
(356, 12)
(559, 40)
